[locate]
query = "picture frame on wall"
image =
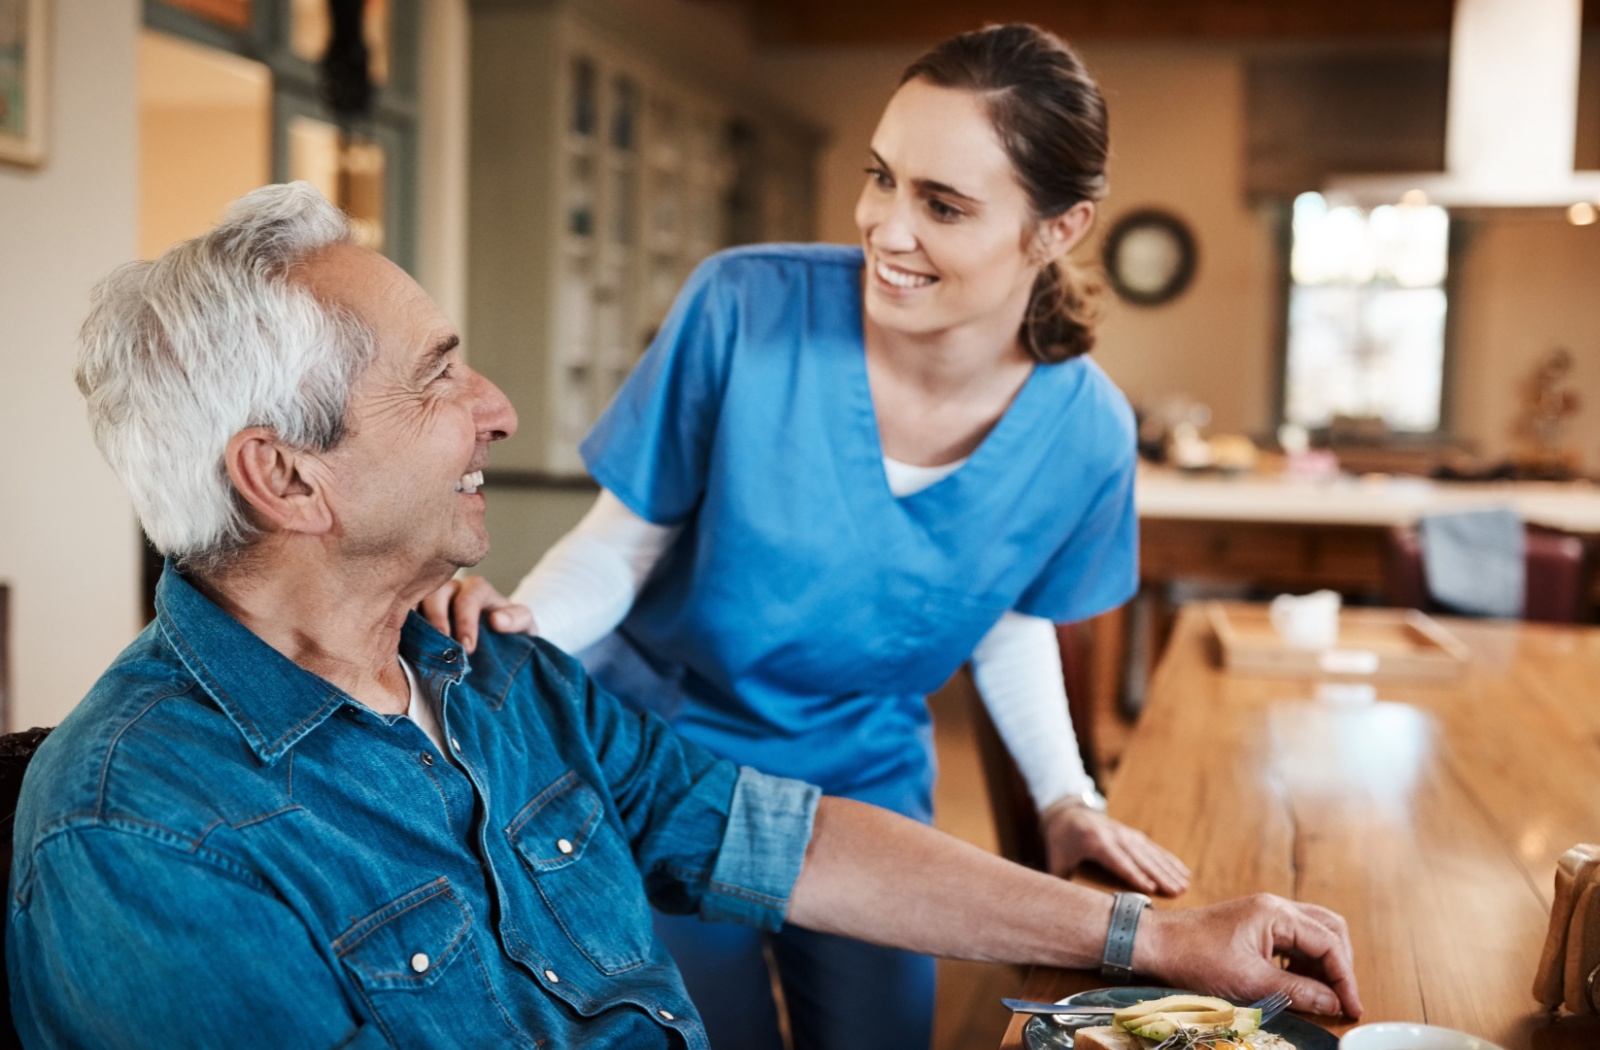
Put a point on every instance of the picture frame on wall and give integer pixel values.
(24, 81)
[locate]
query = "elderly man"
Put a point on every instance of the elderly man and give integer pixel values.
(294, 815)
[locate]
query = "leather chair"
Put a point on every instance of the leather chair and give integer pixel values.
(1557, 578)
(1016, 821)
(16, 751)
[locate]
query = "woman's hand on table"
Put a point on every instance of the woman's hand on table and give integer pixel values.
(1074, 833)
(1231, 949)
(456, 607)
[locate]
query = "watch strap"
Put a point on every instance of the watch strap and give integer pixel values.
(1117, 962)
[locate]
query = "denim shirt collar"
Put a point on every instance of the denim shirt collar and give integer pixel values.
(271, 700)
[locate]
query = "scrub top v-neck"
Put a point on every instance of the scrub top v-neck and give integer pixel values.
(805, 611)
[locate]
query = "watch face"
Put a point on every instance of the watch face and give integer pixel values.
(1149, 257)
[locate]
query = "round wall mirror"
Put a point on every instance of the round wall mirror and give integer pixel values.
(1149, 256)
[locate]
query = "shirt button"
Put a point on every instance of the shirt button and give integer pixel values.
(427, 759)
(420, 962)
(550, 975)
(452, 655)
(665, 1016)
(564, 845)
(455, 743)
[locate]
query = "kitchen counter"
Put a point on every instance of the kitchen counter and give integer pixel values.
(1379, 501)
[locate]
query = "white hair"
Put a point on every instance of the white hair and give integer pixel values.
(180, 354)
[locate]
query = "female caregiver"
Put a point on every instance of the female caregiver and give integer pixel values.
(839, 473)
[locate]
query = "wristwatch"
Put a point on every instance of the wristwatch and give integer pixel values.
(1089, 798)
(1117, 962)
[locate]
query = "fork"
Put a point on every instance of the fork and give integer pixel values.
(1270, 1007)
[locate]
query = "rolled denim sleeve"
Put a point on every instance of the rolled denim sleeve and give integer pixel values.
(769, 827)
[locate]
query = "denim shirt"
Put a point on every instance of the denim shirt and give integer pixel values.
(219, 848)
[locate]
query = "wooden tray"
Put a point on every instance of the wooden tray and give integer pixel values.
(1373, 643)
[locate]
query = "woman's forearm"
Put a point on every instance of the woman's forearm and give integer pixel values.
(585, 584)
(1017, 669)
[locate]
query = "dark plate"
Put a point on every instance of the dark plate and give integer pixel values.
(1046, 1033)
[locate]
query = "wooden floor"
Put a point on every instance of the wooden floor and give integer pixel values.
(969, 1014)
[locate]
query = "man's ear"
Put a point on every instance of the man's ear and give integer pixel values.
(278, 482)
(1058, 235)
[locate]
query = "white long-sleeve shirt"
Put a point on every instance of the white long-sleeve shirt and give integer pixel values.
(584, 585)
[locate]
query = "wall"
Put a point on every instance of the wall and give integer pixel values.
(1177, 133)
(68, 542)
(1177, 122)
(442, 159)
(1526, 286)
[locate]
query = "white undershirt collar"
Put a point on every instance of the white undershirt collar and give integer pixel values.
(906, 479)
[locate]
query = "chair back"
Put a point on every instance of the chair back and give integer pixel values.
(1556, 567)
(16, 751)
(1016, 819)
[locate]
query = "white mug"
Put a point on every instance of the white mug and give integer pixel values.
(1403, 1035)
(1308, 622)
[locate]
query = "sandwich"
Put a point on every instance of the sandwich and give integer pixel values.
(1197, 1019)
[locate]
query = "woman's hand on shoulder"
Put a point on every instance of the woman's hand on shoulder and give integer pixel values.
(1074, 833)
(456, 608)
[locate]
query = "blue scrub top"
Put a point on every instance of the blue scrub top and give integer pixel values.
(804, 613)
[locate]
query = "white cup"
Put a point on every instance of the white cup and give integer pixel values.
(1308, 622)
(1403, 1035)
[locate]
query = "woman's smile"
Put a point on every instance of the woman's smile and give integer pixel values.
(901, 277)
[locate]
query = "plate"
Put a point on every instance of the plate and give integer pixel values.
(1046, 1033)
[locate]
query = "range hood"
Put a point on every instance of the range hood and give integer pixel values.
(1512, 115)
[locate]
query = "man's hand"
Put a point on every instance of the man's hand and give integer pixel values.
(1074, 833)
(1229, 949)
(455, 608)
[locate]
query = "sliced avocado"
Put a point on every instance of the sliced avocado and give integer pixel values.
(1162, 1025)
(1158, 1026)
(1196, 1019)
(1173, 1004)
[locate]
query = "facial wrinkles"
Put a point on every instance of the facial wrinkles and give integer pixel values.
(401, 408)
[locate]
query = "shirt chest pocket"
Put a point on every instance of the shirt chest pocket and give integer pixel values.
(586, 875)
(418, 969)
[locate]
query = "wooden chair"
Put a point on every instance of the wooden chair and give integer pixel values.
(16, 751)
(1016, 821)
(1556, 567)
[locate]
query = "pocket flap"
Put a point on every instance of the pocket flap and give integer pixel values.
(553, 831)
(409, 942)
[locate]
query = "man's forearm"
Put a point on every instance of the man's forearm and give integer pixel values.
(876, 876)
(879, 877)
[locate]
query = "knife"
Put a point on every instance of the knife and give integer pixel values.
(1023, 1006)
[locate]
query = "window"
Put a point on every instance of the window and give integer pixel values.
(1367, 310)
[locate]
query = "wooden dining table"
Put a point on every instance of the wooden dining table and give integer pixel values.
(1430, 815)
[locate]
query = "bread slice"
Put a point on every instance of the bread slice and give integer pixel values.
(1106, 1037)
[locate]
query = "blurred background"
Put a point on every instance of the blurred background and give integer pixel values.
(1310, 271)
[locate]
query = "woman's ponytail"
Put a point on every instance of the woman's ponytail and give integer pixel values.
(1063, 311)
